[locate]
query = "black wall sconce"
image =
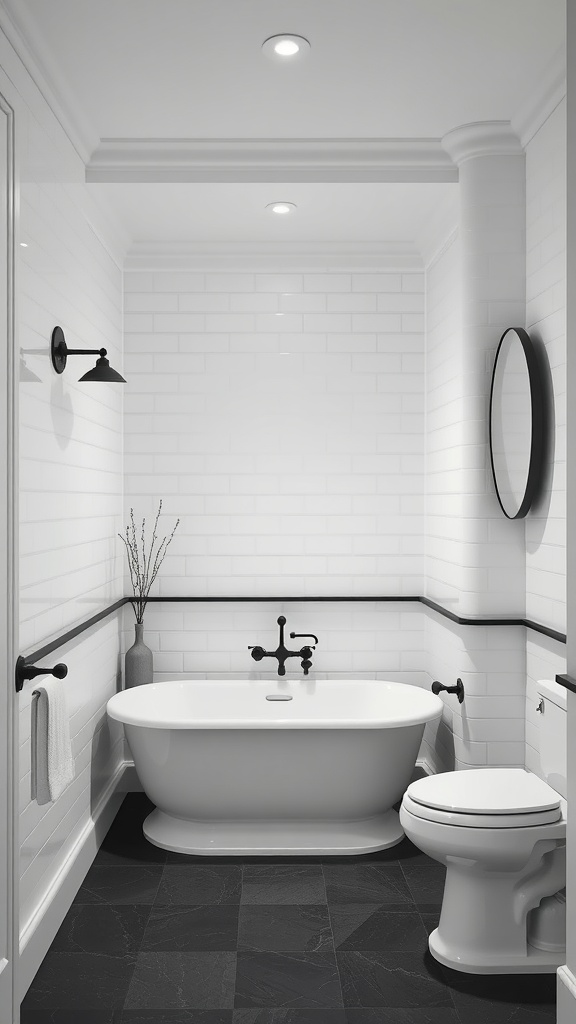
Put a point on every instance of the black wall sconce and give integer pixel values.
(59, 353)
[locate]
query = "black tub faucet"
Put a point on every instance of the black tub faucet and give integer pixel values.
(282, 653)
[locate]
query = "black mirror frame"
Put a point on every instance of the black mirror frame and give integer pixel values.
(537, 409)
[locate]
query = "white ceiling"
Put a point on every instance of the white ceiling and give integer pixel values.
(192, 69)
(366, 213)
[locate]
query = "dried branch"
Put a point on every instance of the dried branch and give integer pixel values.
(143, 563)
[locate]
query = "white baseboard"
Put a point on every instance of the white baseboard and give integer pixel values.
(39, 931)
(425, 765)
(566, 990)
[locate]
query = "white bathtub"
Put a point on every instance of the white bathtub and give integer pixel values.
(233, 773)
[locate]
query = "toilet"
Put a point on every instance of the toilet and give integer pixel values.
(501, 832)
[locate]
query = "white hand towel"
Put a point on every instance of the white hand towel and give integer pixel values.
(52, 764)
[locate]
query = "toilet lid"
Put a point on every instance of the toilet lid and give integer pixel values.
(490, 791)
(490, 821)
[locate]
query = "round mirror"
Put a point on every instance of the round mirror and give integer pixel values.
(516, 423)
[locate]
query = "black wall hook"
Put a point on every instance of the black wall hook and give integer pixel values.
(25, 671)
(458, 689)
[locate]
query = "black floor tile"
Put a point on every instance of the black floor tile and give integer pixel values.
(294, 883)
(371, 978)
(365, 926)
(120, 848)
(137, 884)
(105, 928)
(286, 927)
(425, 881)
(503, 998)
(298, 979)
(403, 1015)
(289, 1016)
(366, 883)
(430, 918)
(170, 981)
(175, 1017)
(58, 1016)
(200, 884)
(73, 981)
(191, 929)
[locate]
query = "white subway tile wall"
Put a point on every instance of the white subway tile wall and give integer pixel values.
(70, 472)
(546, 322)
(284, 429)
(356, 640)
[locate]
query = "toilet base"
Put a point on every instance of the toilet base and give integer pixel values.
(536, 961)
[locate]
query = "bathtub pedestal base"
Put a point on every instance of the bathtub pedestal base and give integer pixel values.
(273, 838)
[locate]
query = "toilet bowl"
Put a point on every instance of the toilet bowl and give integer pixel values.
(502, 835)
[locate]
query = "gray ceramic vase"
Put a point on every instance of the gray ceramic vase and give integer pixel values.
(138, 661)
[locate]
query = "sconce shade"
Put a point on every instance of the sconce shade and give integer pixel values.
(103, 371)
(59, 353)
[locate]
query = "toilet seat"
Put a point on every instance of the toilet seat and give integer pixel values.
(484, 798)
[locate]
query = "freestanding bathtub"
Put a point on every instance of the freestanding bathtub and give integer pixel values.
(314, 770)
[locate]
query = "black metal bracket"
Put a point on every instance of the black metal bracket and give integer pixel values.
(59, 350)
(458, 689)
(26, 671)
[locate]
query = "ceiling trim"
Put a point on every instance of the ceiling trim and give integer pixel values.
(260, 256)
(480, 139)
(260, 160)
(28, 43)
(538, 107)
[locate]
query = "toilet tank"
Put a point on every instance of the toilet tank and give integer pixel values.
(552, 729)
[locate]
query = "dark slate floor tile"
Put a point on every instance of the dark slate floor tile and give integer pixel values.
(366, 883)
(403, 1015)
(425, 881)
(135, 885)
(73, 981)
(293, 883)
(175, 1017)
(503, 998)
(121, 848)
(191, 929)
(285, 927)
(200, 884)
(104, 928)
(371, 978)
(170, 981)
(288, 1016)
(365, 926)
(45, 1016)
(429, 918)
(298, 979)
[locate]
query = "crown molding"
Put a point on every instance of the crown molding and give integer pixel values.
(537, 108)
(481, 138)
(258, 256)
(259, 160)
(28, 43)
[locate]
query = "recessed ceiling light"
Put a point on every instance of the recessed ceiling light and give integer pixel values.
(286, 47)
(24, 245)
(281, 208)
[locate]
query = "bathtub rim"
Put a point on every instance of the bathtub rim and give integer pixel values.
(119, 708)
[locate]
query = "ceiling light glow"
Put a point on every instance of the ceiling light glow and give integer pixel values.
(286, 47)
(281, 208)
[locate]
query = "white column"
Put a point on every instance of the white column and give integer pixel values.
(492, 218)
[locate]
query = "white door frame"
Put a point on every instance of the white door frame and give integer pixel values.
(9, 1001)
